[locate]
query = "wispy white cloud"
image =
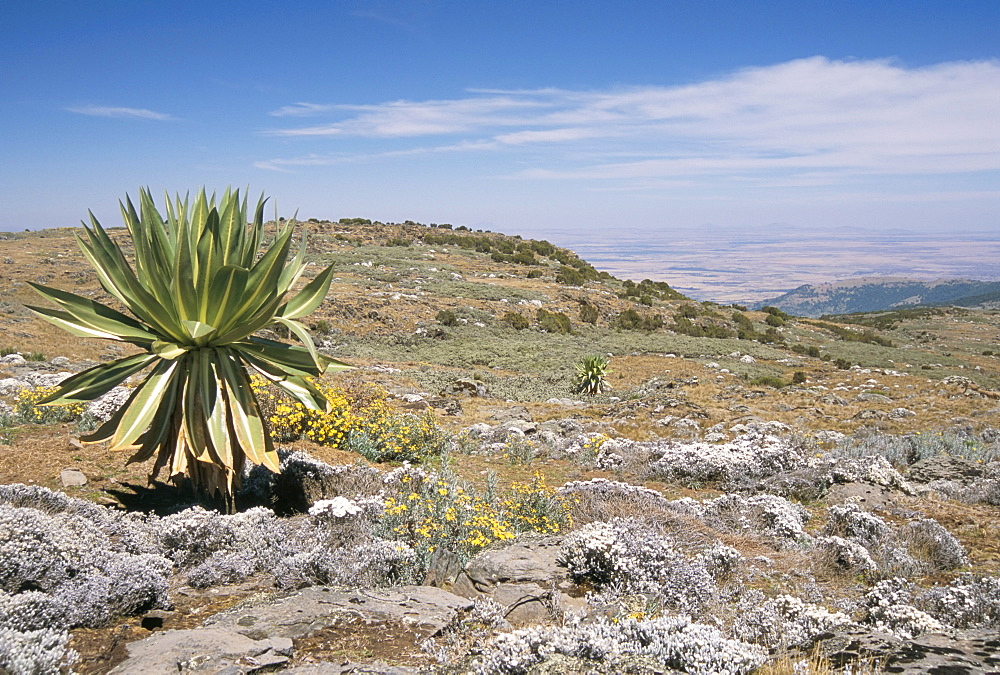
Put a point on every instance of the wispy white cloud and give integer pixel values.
(302, 110)
(119, 112)
(810, 121)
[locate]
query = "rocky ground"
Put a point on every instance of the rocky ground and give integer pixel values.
(696, 518)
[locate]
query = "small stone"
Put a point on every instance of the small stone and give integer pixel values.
(72, 478)
(60, 361)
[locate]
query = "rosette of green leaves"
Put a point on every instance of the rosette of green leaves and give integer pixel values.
(590, 375)
(201, 286)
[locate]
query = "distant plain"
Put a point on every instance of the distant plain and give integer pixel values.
(727, 266)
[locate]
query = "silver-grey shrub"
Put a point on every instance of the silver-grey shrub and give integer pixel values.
(967, 602)
(625, 556)
(906, 449)
(783, 621)
(672, 642)
(751, 456)
(929, 541)
(36, 652)
(762, 514)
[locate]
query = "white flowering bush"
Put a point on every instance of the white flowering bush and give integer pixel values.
(752, 456)
(907, 449)
(338, 507)
(37, 651)
(850, 520)
(968, 602)
(783, 621)
(917, 547)
(305, 480)
(625, 557)
(762, 514)
(929, 541)
(69, 559)
(980, 490)
(670, 642)
(889, 610)
(600, 499)
(62, 564)
(720, 560)
(873, 469)
(846, 555)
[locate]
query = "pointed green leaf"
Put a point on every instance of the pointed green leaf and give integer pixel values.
(95, 315)
(143, 404)
(310, 297)
(291, 358)
(197, 329)
(93, 382)
(302, 334)
(169, 350)
(247, 424)
(226, 291)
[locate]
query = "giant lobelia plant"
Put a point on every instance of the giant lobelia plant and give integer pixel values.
(200, 288)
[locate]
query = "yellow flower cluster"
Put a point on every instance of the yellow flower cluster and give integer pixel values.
(360, 420)
(27, 410)
(441, 514)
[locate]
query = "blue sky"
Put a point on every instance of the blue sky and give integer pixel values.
(555, 119)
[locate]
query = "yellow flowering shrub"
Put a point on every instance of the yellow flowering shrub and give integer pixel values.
(27, 410)
(439, 513)
(359, 419)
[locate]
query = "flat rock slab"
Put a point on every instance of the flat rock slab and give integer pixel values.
(200, 649)
(423, 609)
(524, 577)
(965, 652)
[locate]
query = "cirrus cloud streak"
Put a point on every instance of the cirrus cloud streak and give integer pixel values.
(814, 120)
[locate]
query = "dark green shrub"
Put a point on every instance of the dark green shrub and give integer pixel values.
(399, 242)
(688, 311)
(321, 326)
(525, 258)
(718, 332)
(798, 377)
(769, 381)
(774, 320)
(773, 336)
(569, 276)
(553, 322)
(843, 364)
(629, 320)
(632, 320)
(447, 317)
(516, 321)
(535, 274)
(589, 313)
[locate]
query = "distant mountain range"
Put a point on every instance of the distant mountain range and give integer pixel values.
(873, 294)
